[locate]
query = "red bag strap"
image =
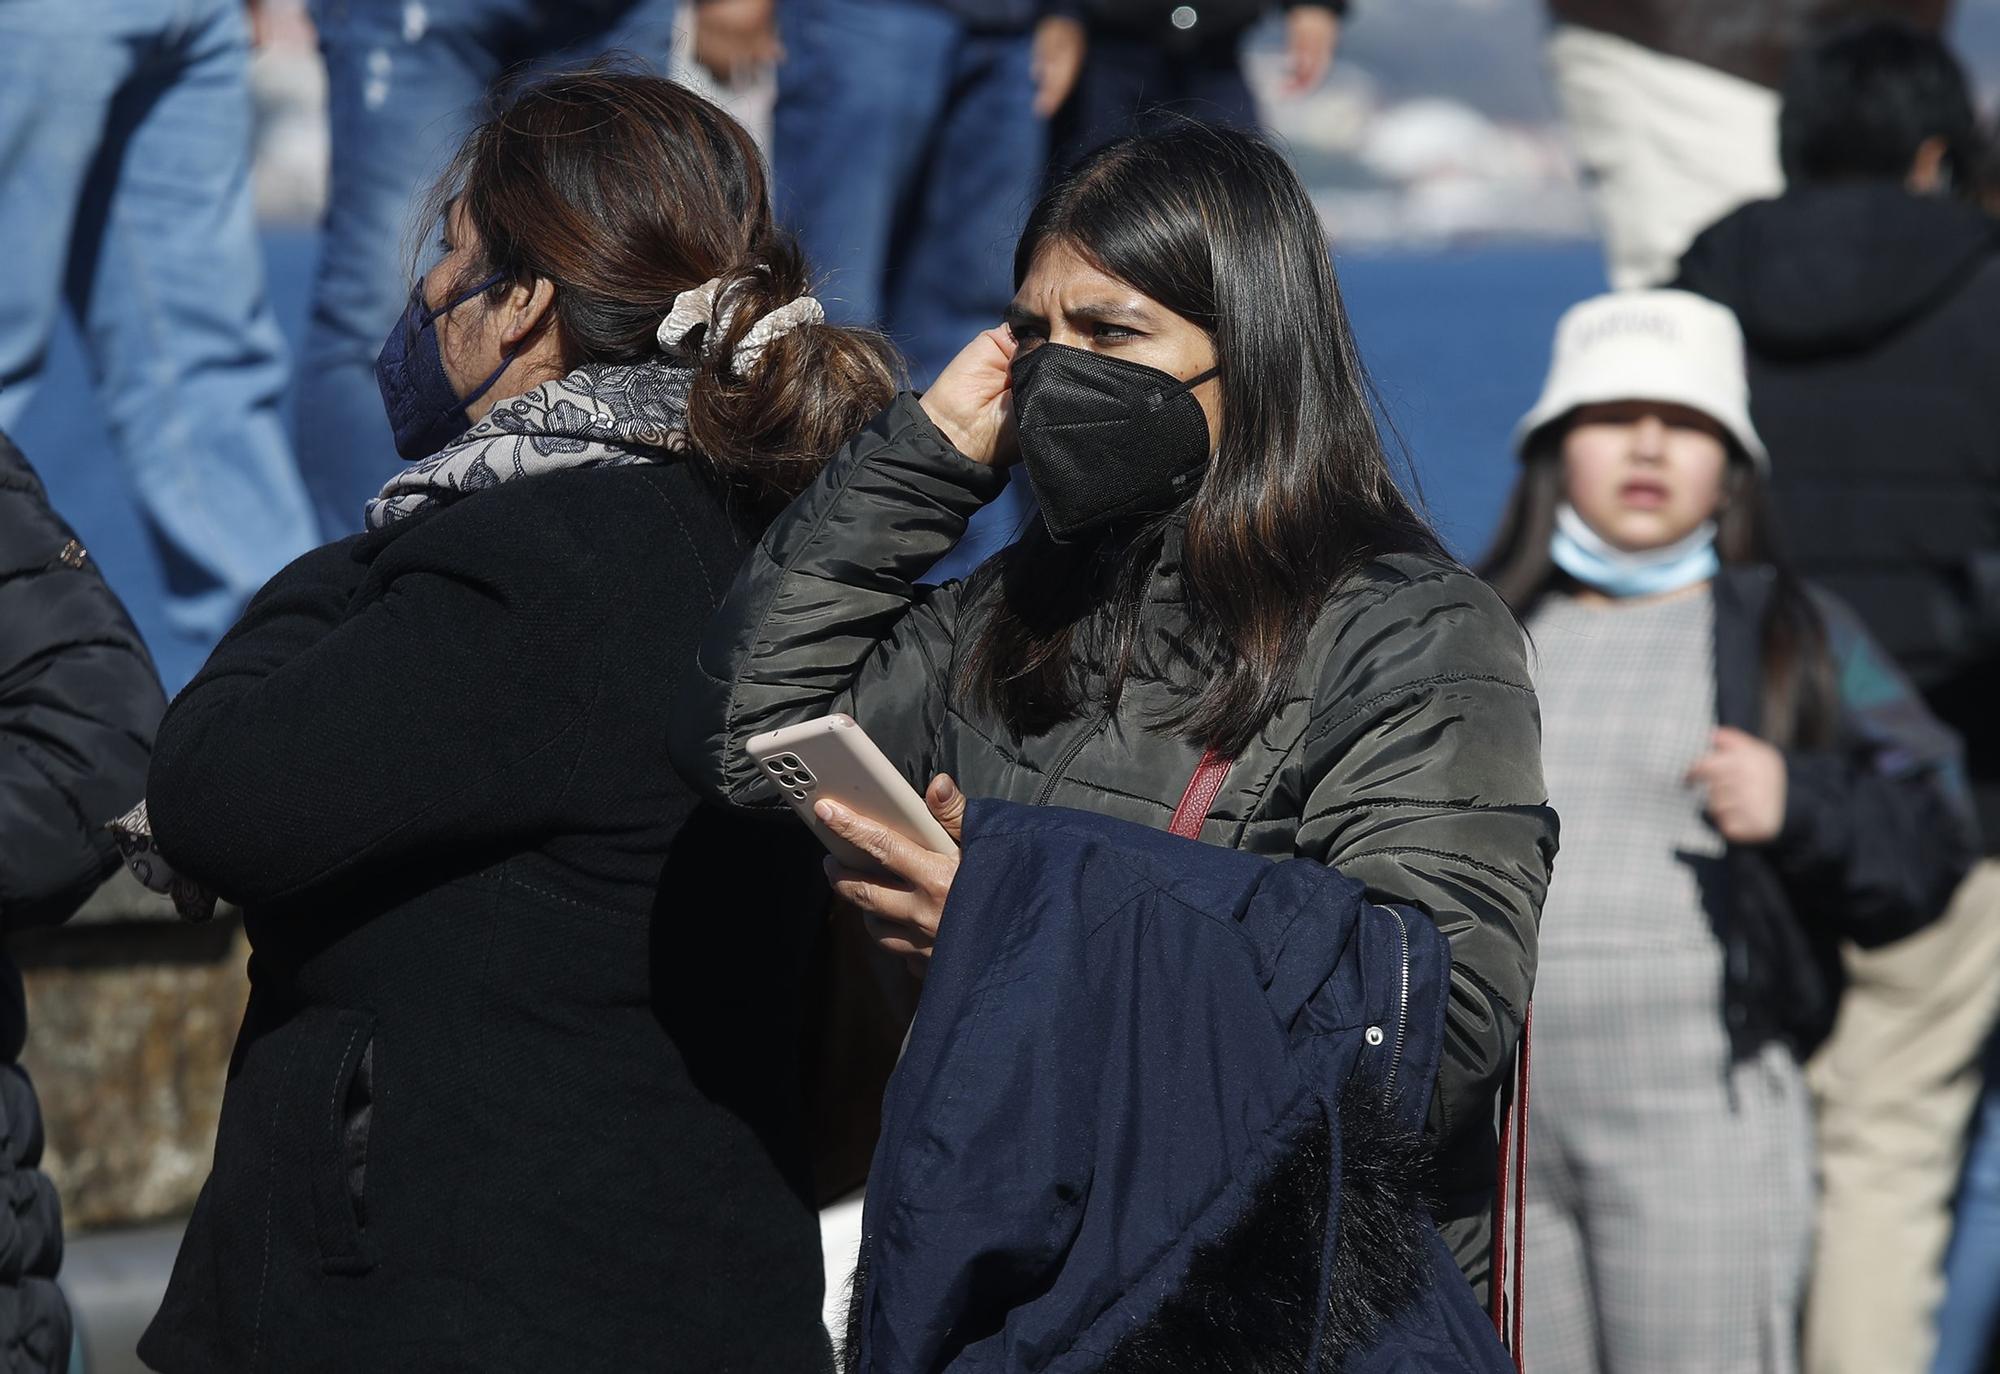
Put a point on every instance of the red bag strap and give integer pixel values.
(1513, 1180)
(1202, 790)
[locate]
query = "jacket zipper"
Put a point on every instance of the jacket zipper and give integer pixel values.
(1068, 757)
(1402, 1005)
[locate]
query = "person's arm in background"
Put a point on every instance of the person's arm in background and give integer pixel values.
(79, 702)
(1312, 38)
(734, 37)
(1061, 42)
(1878, 831)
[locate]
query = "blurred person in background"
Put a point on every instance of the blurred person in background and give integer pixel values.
(1870, 294)
(1744, 779)
(78, 706)
(125, 194)
(510, 1094)
(404, 83)
(1128, 61)
(1673, 108)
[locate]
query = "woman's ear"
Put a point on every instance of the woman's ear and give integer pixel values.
(524, 311)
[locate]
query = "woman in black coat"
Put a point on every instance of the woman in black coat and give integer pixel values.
(507, 1095)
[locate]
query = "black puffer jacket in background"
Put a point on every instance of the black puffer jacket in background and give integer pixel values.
(1873, 323)
(518, 1086)
(78, 704)
(1408, 755)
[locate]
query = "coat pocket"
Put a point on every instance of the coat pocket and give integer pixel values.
(343, 1133)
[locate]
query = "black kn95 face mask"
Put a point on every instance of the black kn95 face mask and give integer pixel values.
(1105, 440)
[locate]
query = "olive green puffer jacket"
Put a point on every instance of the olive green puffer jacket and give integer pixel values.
(1408, 756)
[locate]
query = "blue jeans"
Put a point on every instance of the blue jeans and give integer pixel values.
(125, 196)
(401, 95)
(1968, 1320)
(906, 152)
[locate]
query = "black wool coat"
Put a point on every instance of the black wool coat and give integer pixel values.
(78, 704)
(517, 1085)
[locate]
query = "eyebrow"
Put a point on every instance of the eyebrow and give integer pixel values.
(1096, 312)
(1021, 315)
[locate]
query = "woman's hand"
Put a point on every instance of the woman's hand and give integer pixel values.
(1060, 44)
(1745, 778)
(901, 907)
(973, 401)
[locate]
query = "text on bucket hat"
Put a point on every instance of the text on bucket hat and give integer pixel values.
(1668, 347)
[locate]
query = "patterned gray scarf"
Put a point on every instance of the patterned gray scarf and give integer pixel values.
(601, 415)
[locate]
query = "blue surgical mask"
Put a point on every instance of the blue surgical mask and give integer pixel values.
(1587, 556)
(425, 413)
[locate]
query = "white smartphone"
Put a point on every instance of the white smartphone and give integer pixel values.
(833, 759)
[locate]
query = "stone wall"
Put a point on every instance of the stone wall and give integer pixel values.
(131, 1018)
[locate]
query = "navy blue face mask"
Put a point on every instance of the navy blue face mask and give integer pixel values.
(425, 413)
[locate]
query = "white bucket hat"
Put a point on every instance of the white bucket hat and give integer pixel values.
(1672, 347)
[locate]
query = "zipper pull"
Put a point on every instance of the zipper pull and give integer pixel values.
(72, 555)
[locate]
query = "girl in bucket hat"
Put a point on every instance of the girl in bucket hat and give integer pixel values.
(1744, 780)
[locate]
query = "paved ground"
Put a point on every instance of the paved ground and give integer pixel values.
(114, 1280)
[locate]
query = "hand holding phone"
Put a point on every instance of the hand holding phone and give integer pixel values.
(832, 759)
(892, 856)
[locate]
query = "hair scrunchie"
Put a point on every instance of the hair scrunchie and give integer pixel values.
(708, 305)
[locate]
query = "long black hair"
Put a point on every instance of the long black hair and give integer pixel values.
(1798, 699)
(1214, 225)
